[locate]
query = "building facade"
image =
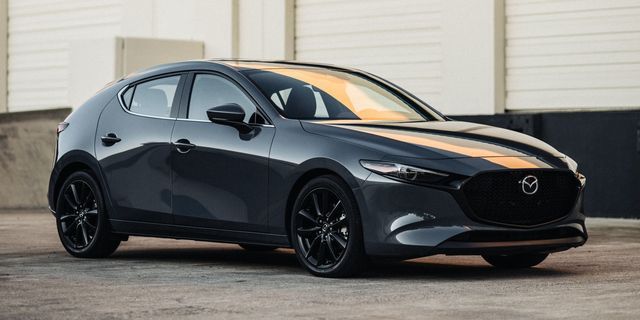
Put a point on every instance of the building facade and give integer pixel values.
(464, 57)
(529, 62)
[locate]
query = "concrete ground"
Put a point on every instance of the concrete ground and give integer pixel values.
(171, 279)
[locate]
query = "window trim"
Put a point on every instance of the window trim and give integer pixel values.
(174, 105)
(188, 89)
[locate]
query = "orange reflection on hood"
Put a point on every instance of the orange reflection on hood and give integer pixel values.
(494, 156)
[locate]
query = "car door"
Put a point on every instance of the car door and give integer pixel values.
(133, 148)
(220, 174)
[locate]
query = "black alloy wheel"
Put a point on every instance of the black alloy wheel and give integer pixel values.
(81, 222)
(326, 229)
(79, 215)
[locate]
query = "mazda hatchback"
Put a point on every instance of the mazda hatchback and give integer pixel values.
(337, 163)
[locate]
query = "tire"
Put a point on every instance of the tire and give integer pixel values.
(81, 218)
(256, 247)
(517, 261)
(326, 231)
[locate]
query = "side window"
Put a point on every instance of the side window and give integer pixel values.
(153, 98)
(126, 97)
(211, 91)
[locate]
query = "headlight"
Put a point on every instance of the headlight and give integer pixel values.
(582, 179)
(403, 172)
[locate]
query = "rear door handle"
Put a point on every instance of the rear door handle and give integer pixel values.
(184, 145)
(110, 139)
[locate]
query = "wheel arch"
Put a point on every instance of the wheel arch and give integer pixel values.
(71, 162)
(312, 169)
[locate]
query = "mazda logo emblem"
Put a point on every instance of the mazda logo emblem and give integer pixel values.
(529, 185)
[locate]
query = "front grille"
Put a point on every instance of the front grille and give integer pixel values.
(498, 196)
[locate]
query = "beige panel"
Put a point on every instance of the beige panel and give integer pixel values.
(572, 54)
(140, 53)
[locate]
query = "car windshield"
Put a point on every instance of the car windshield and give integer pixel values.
(314, 93)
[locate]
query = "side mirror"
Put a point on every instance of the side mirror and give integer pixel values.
(230, 114)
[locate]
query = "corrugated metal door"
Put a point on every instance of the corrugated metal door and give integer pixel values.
(572, 54)
(398, 40)
(39, 35)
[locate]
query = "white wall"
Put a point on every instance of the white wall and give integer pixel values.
(41, 33)
(95, 62)
(3, 55)
(559, 54)
(265, 29)
(38, 46)
(572, 54)
(214, 22)
(44, 71)
(400, 42)
(447, 52)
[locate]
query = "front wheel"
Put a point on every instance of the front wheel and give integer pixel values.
(516, 261)
(326, 231)
(81, 218)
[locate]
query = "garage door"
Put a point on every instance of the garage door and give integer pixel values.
(572, 54)
(39, 35)
(398, 40)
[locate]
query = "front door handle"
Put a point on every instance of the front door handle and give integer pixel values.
(184, 145)
(110, 139)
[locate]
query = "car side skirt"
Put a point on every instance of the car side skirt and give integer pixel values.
(147, 229)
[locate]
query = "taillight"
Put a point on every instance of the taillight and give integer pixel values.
(62, 126)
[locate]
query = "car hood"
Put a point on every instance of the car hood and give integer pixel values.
(436, 139)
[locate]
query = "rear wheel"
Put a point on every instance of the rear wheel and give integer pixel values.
(81, 218)
(515, 261)
(326, 230)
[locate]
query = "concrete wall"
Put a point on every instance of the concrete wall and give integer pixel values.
(27, 141)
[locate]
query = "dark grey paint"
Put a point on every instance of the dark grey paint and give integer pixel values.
(238, 188)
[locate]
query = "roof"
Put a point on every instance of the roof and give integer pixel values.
(238, 65)
(243, 64)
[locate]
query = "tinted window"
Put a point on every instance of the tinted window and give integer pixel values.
(310, 93)
(155, 97)
(211, 91)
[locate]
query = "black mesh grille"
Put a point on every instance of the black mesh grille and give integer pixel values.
(498, 196)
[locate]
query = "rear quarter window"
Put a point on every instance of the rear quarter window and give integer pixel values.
(152, 98)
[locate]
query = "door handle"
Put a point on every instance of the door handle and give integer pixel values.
(184, 145)
(110, 139)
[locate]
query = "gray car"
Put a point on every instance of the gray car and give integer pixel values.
(337, 163)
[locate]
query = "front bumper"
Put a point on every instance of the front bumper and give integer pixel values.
(405, 221)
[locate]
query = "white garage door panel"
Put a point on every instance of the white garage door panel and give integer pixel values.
(398, 41)
(39, 35)
(392, 38)
(550, 7)
(572, 54)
